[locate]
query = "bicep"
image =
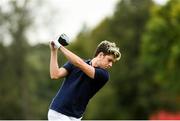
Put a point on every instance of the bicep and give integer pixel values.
(62, 72)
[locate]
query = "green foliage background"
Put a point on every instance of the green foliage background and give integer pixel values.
(144, 81)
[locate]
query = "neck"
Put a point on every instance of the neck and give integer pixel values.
(94, 62)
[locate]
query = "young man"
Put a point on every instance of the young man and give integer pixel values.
(82, 79)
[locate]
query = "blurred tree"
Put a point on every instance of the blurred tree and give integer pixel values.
(81, 47)
(161, 54)
(25, 87)
(15, 98)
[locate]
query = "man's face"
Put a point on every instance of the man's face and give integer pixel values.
(106, 61)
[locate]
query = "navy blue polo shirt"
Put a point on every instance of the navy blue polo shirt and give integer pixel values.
(77, 89)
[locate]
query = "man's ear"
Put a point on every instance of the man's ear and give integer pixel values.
(101, 54)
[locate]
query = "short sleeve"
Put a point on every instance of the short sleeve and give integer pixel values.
(68, 66)
(101, 75)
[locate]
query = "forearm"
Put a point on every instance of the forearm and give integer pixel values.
(74, 59)
(53, 64)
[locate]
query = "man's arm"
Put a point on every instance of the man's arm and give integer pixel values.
(55, 71)
(78, 62)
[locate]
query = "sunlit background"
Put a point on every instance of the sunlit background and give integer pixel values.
(144, 84)
(52, 17)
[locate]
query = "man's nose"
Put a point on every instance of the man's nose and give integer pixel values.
(110, 64)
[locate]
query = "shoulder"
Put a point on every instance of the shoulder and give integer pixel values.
(101, 74)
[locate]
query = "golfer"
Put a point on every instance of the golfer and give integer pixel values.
(83, 79)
